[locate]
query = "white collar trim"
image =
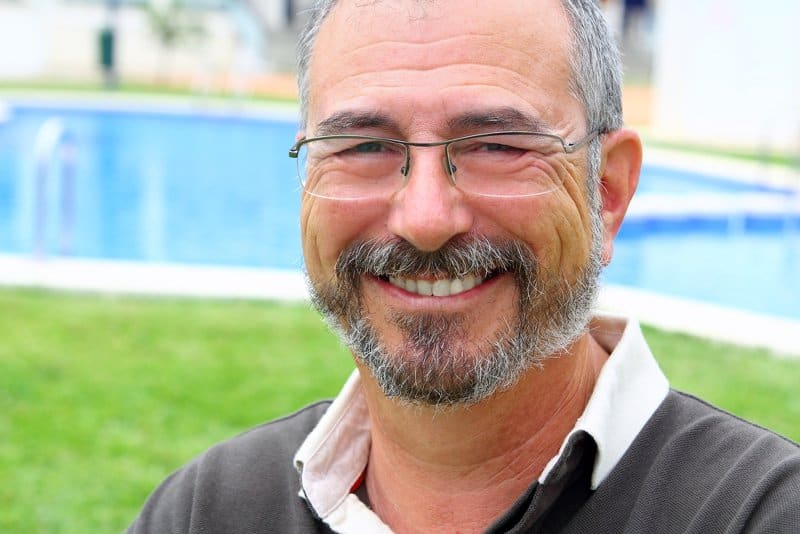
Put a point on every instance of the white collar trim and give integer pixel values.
(628, 391)
(335, 453)
(332, 459)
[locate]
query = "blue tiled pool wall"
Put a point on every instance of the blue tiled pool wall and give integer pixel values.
(710, 224)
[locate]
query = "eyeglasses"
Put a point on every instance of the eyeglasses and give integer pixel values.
(499, 164)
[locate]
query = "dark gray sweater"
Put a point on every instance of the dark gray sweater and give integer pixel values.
(692, 469)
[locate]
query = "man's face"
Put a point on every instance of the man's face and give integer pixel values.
(428, 71)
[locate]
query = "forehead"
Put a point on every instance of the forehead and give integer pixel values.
(434, 55)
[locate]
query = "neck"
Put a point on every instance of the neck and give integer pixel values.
(459, 468)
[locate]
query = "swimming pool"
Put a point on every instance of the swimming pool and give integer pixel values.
(204, 188)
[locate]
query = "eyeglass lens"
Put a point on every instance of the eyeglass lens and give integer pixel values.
(502, 165)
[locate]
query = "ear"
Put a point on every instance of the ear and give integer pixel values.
(619, 175)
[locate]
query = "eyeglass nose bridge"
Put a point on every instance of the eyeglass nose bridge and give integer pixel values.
(447, 164)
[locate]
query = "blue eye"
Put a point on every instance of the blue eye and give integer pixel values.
(369, 147)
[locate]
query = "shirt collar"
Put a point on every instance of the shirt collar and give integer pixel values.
(628, 390)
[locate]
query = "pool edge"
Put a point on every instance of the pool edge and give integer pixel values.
(779, 335)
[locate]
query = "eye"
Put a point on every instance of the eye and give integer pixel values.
(498, 147)
(494, 145)
(369, 147)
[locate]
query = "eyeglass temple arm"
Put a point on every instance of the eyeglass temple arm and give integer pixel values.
(569, 148)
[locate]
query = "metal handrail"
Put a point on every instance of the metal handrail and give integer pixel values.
(54, 143)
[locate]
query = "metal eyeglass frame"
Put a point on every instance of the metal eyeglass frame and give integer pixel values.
(569, 148)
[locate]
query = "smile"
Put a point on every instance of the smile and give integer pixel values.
(437, 288)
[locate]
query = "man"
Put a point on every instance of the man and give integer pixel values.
(465, 171)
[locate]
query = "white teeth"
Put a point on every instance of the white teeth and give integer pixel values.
(424, 287)
(469, 282)
(441, 288)
(456, 287)
(437, 288)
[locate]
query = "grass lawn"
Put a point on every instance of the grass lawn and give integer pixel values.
(101, 397)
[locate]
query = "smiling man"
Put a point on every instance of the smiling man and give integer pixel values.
(464, 172)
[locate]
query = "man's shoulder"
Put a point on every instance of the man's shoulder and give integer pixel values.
(700, 442)
(246, 481)
(697, 468)
(687, 416)
(264, 451)
(282, 435)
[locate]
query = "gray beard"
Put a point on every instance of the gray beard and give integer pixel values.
(436, 364)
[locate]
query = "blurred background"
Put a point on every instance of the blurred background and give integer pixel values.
(198, 45)
(143, 153)
(713, 72)
(155, 131)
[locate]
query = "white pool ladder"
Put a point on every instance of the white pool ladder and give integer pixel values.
(54, 148)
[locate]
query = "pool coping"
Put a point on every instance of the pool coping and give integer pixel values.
(779, 335)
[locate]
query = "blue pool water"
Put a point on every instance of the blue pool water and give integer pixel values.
(220, 190)
(155, 187)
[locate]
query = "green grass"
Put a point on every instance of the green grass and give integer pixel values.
(101, 397)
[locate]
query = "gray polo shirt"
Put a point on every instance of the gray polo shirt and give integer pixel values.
(641, 458)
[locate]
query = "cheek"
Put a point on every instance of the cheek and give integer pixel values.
(555, 226)
(572, 223)
(328, 226)
(321, 238)
(528, 220)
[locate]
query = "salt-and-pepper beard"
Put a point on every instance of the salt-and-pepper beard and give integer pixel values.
(436, 364)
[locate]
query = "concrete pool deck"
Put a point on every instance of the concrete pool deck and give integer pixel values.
(780, 336)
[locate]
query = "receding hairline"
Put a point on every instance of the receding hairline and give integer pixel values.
(323, 14)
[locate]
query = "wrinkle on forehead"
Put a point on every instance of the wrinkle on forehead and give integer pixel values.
(371, 52)
(427, 50)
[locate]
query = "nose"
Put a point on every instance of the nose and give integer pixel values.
(429, 211)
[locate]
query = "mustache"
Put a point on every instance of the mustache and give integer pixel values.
(462, 255)
(458, 257)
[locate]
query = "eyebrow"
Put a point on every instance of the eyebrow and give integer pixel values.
(505, 118)
(346, 121)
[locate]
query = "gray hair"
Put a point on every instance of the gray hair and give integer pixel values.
(596, 65)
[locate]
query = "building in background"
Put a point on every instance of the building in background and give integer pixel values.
(200, 43)
(712, 72)
(727, 73)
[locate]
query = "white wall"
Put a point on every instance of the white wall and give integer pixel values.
(24, 48)
(48, 40)
(727, 72)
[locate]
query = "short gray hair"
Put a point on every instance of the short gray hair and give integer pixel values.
(596, 65)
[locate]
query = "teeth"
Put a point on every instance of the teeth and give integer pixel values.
(469, 282)
(456, 287)
(424, 287)
(437, 288)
